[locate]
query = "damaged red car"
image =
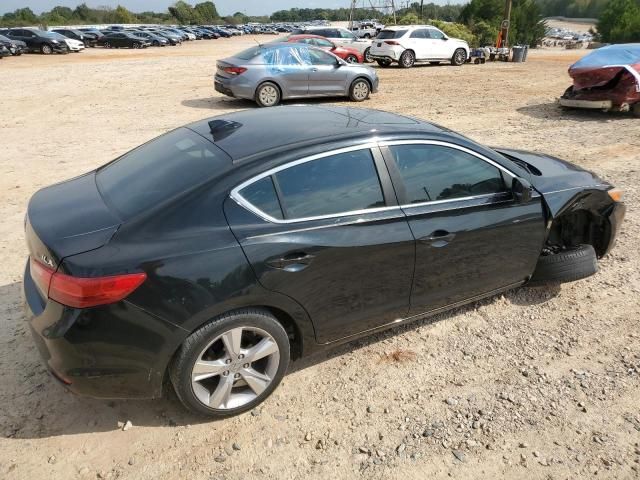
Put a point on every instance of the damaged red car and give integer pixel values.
(607, 79)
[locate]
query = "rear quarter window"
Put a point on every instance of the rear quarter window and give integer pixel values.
(159, 170)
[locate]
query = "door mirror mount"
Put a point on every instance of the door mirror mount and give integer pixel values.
(522, 190)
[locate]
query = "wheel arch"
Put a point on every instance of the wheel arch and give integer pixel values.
(268, 80)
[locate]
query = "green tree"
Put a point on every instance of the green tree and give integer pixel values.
(620, 21)
(122, 15)
(207, 12)
(182, 12)
(455, 30)
(409, 19)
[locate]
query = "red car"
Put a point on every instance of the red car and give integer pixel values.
(606, 79)
(350, 55)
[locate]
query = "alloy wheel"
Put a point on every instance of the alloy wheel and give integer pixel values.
(352, 59)
(360, 90)
(460, 57)
(367, 55)
(235, 368)
(47, 50)
(268, 95)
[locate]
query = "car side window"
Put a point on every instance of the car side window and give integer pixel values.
(347, 35)
(320, 57)
(340, 183)
(436, 172)
(321, 42)
(421, 33)
(291, 56)
(336, 184)
(262, 194)
(436, 34)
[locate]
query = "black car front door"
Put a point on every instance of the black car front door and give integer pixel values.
(328, 233)
(472, 236)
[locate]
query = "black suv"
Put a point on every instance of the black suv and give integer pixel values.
(37, 40)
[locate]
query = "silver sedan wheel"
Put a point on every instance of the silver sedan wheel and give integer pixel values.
(361, 90)
(268, 95)
(235, 368)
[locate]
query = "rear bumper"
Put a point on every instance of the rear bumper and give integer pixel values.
(111, 351)
(237, 87)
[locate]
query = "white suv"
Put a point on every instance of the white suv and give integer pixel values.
(415, 43)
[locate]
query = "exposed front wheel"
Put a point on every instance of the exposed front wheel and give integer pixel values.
(459, 57)
(407, 59)
(231, 364)
(46, 49)
(359, 90)
(268, 95)
(568, 265)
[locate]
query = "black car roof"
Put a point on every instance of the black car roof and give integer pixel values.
(284, 127)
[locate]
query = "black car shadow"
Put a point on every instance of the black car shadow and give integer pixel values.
(554, 111)
(227, 104)
(34, 405)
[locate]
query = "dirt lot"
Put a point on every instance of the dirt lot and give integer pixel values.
(537, 383)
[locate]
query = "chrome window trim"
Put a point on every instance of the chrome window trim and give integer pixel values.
(240, 200)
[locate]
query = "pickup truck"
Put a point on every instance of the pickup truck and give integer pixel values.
(364, 31)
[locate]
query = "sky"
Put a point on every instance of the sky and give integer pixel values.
(225, 7)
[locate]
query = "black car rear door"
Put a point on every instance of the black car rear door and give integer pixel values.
(472, 236)
(327, 231)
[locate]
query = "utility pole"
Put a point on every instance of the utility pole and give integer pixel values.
(504, 32)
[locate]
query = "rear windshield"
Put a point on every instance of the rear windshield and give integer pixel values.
(386, 34)
(249, 53)
(159, 170)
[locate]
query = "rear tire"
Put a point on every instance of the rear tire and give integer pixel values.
(367, 55)
(205, 345)
(351, 59)
(268, 95)
(568, 265)
(407, 59)
(359, 90)
(459, 57)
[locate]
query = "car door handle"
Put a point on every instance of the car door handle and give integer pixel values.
(439, 238)
(293, 262)
(314, 69)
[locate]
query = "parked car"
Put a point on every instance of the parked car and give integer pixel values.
(155, 40)
(124, 39)
(349, 55)
(74, 45)
(364, 31)
(173, 38)
(93, 34)
(87, 39)
(278, 71)
(606, 79)
(409, 44)
(15, 47)
(37, 40)
(339, 36)
(214, 254)
(175, 31)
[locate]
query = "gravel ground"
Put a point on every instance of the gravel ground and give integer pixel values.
(536, 383)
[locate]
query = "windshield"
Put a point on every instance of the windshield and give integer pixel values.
(159, 170)
(387, 34)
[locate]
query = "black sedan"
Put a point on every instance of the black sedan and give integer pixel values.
(15, 47)
(124, 40)
(37, 40)
(214, 254)
(155, 40)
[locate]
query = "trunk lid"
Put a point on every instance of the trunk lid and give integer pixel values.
(66, 219)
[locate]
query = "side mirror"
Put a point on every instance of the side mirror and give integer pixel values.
(522, 190)
(445, 38)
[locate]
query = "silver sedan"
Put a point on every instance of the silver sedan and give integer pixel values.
(279, 71)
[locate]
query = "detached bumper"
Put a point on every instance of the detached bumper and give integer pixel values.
(111, 351)
(592, 104)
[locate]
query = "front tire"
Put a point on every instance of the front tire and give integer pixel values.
(459, 57)
(136, 45)
(567, 265)
(351, 59)
(367, 55)
(46, 49)
(359, 90)
(407, 59)
(635, 110)
(268, 95)
(231, 364)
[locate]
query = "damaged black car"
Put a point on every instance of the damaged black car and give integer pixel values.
(210, 257)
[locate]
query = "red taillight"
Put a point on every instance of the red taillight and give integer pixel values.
(84, 292)
(41, 276)
(391, 42)
(235, 70)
